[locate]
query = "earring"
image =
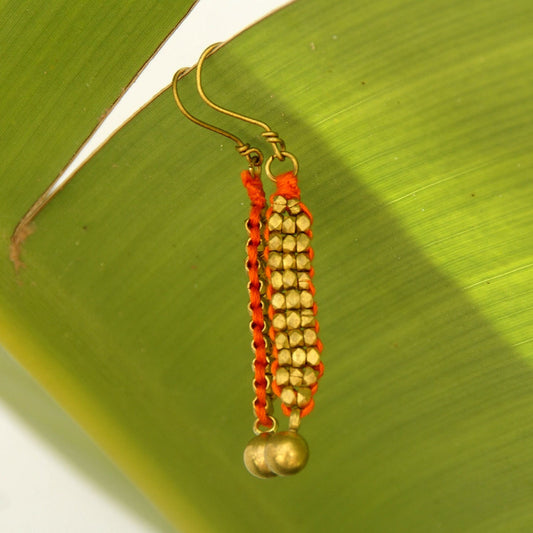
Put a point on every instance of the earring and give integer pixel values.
(287, 351)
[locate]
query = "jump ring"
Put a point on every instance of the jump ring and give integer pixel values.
(285, 155)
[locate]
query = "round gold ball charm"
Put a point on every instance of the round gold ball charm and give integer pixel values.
(254, 456)
(286, 453)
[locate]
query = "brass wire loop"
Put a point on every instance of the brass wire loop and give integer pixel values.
(253, 155)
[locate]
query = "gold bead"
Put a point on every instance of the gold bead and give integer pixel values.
(306, 299)
(302, 242)
(281, 341)
(289, 243)
(255, 458)
(284, 357)
(296, 377)
(288, 396)
(288, 225)
(303, 396)
(309, 377)
(275, 261)
(299, 357)
(294, 206)
(282, 376)
(292, 300)
(289, 261)
(276, 279)
(310, 337)
(296, 338)
(286, 453)
(289, 279)
(293, 320)
(303, 222)
(279, 321)
(279, 204)
(275, 242)
(307, 318)
(304, 280)
(303, 262)
(278, 300)
(313, 357)
(274, 222)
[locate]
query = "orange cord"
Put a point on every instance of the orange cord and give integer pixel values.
(258, 202)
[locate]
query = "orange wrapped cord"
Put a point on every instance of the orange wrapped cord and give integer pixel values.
(257, 197)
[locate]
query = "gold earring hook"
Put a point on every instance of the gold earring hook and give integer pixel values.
(278, 145)
(254, 156)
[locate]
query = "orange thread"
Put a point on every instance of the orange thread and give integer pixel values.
(287, 186)
(257, 197)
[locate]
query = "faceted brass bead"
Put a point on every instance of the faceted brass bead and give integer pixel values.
(276, 279)
(289, 243)
(307, 318)
(303, 396)
(284, 357)
(293, 320)
(278, 300)
(286, 453)
(310, 337)
(294, 206)
(288, 225)
(303, 262)
(289, 279)
(309, 377)
(274, 222)
(296, 377)
(279, 204)
(299, 357)
(302, 242)
(255, 457)
(281, 341)
(304, 280)
(279, 321)
(296, 338)
(303, 222)
(282, 376)
(275, 261)
(292, 300)
(289, 261)
(288, 396)
(313, 357)
(306, 299)
(275, 242)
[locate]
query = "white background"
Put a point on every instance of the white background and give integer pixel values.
(53, 479)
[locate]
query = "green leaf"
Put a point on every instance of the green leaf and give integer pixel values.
(411, 123)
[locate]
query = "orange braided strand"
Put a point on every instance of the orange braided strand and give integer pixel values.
(257, 197)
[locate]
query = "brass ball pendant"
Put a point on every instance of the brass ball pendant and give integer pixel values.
(254, 456)
(286, 453)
